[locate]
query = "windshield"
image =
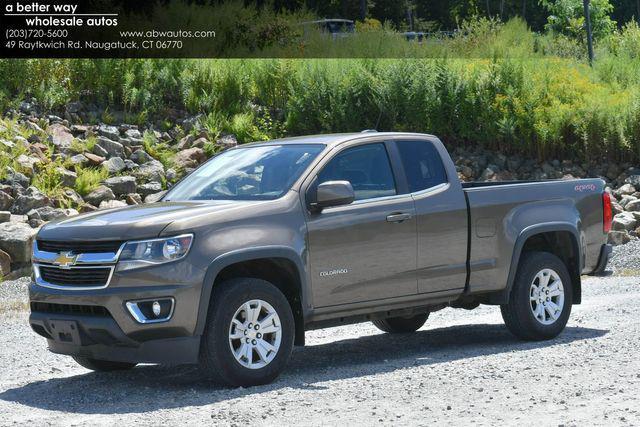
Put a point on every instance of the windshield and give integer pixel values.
(252, 173)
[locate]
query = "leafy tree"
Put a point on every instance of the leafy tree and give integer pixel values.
(567, 17)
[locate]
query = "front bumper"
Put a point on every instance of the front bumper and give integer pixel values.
(97, 323)
(603, 260)
(100, 337)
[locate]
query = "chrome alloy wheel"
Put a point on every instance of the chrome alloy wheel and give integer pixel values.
(255, 334)
(546, 296)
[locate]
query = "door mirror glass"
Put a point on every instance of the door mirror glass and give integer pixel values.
(334, 193)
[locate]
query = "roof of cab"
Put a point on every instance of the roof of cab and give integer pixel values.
(332, 139)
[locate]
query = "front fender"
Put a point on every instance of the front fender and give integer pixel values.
(248, 254)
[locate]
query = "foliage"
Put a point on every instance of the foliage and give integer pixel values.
(243, 127)
(494, 84)
(369, 24)
(48, 179)
(567, 17)
(158, 150)
(89, 179)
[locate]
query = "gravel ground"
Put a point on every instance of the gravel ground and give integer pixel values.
(626, 259)
(462, 367)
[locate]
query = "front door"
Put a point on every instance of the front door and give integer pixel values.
(366, 250)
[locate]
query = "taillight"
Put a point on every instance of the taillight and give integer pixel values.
(607, 212)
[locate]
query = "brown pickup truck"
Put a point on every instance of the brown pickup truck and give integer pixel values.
(268, 240)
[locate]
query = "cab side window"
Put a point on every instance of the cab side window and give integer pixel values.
(422, 164)
(366, 167)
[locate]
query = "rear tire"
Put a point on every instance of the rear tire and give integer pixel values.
(249, 333)
(102, 365)
(540, 300)
(401, 324)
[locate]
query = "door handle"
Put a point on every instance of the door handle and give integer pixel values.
(398, 217)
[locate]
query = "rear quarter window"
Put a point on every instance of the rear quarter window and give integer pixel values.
(422, 164)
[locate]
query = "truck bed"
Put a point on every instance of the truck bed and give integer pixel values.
(500, 211)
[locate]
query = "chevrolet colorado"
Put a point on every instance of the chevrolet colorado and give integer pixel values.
(268, 240)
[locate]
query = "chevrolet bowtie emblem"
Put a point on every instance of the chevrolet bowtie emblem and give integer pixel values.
(65, 260)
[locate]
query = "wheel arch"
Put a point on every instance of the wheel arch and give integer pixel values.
(281, 266)
(560, 239)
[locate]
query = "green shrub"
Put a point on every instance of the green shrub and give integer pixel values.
(89, 179)
(215, 123)
(48, 179)
(158, 150)
(245, 130)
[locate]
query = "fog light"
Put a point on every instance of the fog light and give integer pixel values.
(156, 308)
(151, 311)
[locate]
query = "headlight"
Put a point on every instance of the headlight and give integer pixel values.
(143, 253)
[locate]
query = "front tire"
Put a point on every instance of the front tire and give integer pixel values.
(249, 333)
(102, 365)
(540, 301)
(401, 324)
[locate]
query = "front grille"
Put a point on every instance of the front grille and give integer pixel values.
(72, 309)
(79, 247)
(97, 276)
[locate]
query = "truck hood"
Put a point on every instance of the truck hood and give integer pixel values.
(129, 223)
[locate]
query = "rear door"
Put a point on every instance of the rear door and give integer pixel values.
(441, 214)
(365, 250)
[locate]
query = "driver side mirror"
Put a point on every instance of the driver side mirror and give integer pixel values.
(334, 193)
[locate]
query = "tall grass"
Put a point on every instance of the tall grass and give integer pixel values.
(498, 85)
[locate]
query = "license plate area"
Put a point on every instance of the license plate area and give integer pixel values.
(65, 331)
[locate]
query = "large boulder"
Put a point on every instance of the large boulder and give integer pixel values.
(112, 204)
(130, 164)
(112, 148)
(152, 198)
(618, 237)
(28, 163)
(99, 195)
(30, 199)
(16, 239)
(79, 160)
(99, 151)
(227, 141)
(633, 206)
(140, 156)
(190, 158)
(150, 171)
(625, 190)
(186, 142)
(133, 134)
(5, 216)
(73, 196)
(121, 184)
(32, 126)
(624, 221)
(94, 159)
(67, 177)
(149, 188)
(60, 136)
(624, 200)
(114, 165)
(16, 178)
(48, 213)
(6, 201)
(108, 131)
